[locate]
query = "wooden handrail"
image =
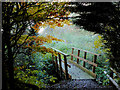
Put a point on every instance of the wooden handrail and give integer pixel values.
(66, 65)
(60, 52)
(115, 72)
(113, 81)
(92, 63)
(84, 59)
(60, 66)
(87, 51)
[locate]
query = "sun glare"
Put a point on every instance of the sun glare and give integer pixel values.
(41, 30)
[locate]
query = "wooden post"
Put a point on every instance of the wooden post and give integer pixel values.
(60, 65)
(72, 53)
(56, 64)
(85, 54)
(78, 56)
(94, 60)
(66, 69)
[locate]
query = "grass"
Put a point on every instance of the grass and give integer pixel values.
(73, 37)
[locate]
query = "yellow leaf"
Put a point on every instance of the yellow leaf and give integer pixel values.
(107, 60)
(52, 26)
(99, 37)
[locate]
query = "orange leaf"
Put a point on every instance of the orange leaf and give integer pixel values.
(37, 3)
(59, 24)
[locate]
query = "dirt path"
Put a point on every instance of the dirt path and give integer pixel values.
(86, 84)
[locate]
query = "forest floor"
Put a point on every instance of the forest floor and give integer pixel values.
(86, 84)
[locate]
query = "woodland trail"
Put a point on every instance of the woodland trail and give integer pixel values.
(80, 84)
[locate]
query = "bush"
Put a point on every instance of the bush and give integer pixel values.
(37, 71)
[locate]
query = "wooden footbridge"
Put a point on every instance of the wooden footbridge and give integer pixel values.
(72, 69)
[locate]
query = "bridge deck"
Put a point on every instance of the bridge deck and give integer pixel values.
(76, 72)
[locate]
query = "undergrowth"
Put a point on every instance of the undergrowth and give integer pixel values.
(36, 69)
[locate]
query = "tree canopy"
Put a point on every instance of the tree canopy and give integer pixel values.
(20, 24)
(102, 18)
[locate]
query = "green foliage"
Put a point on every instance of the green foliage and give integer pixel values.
(35, 69)
(52, 79)
(30, 77)
(105, 21)
(101, 77)
(21, 22)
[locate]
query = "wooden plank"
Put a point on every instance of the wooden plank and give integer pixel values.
(87, 51)
(78, 56)
(60, 52)
(84, 69)
(66, 69)
(94, 60)
(85, 54)
(113, 81)
(94, 64)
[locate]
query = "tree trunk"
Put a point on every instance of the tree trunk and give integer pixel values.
(4, 68)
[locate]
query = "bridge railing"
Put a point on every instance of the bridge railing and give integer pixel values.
(93, 63)
(111, 78)
(59, 66)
